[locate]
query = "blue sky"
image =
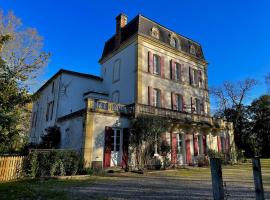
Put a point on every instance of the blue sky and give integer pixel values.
(234, 34)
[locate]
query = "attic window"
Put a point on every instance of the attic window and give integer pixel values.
(155, 32)
(173, 42)
(192, 50)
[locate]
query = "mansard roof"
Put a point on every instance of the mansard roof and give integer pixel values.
(143, 26)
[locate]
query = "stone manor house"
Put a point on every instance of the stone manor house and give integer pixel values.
(145, 69)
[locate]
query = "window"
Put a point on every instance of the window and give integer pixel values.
(156, 60)
(180, 144)
(156, 98)
(177, 71)
(116, 71)
(49, 111)
(192, 50)
(115, 96)
(52, 106)
(198, 105)
(173, 42)
(115, 140)
(179, 103)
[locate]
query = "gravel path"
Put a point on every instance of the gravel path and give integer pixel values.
(159, 188)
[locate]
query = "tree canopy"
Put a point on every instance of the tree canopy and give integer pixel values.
(21, 60)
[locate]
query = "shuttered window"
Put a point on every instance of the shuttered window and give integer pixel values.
(156, 65)
(156, 97)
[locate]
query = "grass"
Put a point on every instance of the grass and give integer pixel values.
(66, 189)
(42, 189)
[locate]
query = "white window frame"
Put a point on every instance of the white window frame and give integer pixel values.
(156, 97)
(156, 64)
(179, 103)
(116, 70)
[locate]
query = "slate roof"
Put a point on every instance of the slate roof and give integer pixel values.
(142, 25)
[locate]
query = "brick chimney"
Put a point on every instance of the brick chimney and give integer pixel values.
(121, 21)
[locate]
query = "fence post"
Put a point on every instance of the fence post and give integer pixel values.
(217, 182)
(257, 174)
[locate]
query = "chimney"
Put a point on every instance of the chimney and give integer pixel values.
(121, 21)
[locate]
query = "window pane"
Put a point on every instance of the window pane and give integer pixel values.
(156, 64)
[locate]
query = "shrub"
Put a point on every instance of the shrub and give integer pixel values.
(202, 161)
(58, 169)
(53, 163)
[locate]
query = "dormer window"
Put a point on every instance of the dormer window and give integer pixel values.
(173, 42)
(155, 32)
(192, 50)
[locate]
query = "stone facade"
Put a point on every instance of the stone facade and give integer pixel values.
(145, 69)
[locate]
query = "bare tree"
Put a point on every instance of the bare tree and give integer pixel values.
(23, 53)
(232, 94)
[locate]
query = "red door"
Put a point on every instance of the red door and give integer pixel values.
(174, 148)
(107, 147)
(188, 153)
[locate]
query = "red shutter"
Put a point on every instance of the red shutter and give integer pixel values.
(162, 67)
(180, 73)
(195, 144)
(172, 70)
(150, 62)
(204, 145)
(124, 162)
(188, 153)
(173, 101)
(174, 148)
(219, 143)
(107, 147)
(150, 94)
(183, 104)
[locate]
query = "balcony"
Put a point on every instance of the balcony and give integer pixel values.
(174, 115)
(206, 121)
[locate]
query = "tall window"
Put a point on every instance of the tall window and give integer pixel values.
(156, 62)
(156, 98)
(192, 50)
(177, 71)
(179, 103)
(116, 71)
(198, 106)
(180, 144)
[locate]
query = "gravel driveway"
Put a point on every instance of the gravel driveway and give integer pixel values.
(159, 187)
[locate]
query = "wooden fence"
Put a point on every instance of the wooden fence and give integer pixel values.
(11, 167)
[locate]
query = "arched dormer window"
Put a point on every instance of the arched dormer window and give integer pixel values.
(155, 32)
(192, 49)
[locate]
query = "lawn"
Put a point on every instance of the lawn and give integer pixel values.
(238, 178)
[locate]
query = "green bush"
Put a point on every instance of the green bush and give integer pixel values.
(202, 161)
(53, 163)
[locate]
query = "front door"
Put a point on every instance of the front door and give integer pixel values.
(180, 149)
(116, 147)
